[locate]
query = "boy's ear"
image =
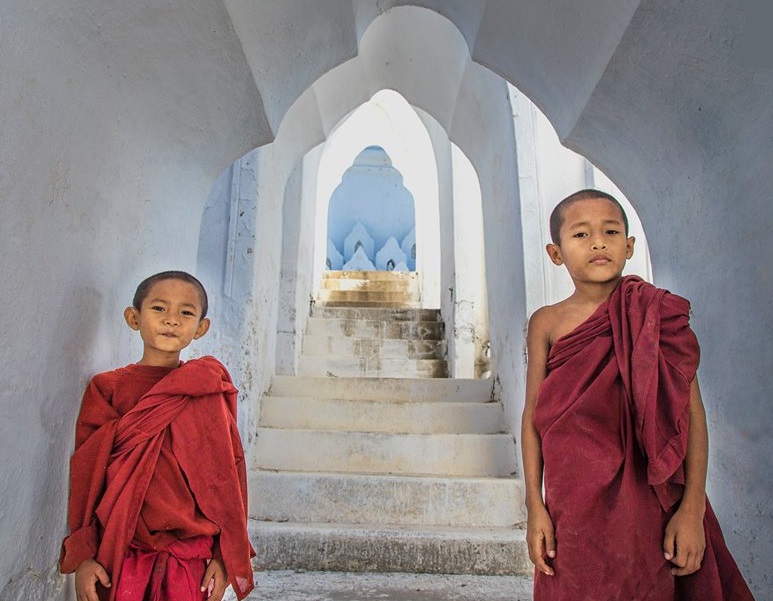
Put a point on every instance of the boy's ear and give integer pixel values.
(202, 329)
(554, 252)
(132, 317)
(629, 247)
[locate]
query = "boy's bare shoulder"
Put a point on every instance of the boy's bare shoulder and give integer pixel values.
(547, 322)
(546, 318)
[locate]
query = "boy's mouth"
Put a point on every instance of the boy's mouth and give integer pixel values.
(600, 259)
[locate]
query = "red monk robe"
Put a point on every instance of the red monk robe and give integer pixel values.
(613, 416)
(158, 465)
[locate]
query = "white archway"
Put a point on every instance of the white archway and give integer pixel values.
(386, 120)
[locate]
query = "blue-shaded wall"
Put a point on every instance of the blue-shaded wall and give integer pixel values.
(371, 193)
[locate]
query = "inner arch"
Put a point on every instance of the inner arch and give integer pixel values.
(388, 121)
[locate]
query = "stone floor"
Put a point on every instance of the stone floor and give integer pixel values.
(362, 586)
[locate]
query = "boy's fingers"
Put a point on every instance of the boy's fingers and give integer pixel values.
(206, 579)
(217, 593)
(537, 551)
(218, 588)
(686, 563)
(684, 571)
(542, 566)
(668, 546)
(550, 543)
(89, 595)
(101, 573)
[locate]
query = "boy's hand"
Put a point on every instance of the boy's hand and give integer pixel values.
(684, 542)
(86, 576)
(541, 539)
(215, 580)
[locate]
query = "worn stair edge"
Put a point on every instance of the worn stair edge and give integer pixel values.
(376, 312)
(382, 453)
(353, 548)
(333, 274)
(449, 390)
(311, 365)
(374, 328)
(381, 416)
(365, 294)
(385, 499)
(372, 349)
(370, 304)
(361, 285)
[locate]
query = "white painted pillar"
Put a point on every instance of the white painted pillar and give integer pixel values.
(471, 313)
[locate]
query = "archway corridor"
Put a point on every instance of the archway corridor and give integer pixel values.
(118, 121)
(363, 367)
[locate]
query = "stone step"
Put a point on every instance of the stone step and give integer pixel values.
(385, 499)
(371, 304)
(383, 453)
(386, 314)
(370, 275)
(372, 348)
(446, 390)
(441, 550)
(319, 585)
(381, 416)
(402, 285)
(386, 367)
(368, 296)
(372, 328)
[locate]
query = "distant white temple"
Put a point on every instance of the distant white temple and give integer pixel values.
(371, 217)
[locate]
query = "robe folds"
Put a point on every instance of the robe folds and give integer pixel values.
(613, 418)
(170, 574)
(158, 459)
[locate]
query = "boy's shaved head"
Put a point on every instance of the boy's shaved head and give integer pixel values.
(557, 216)
(142, 290)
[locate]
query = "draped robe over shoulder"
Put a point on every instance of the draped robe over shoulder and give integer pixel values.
(613, 418)
(169, 468)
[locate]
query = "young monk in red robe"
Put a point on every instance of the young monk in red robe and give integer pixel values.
(615, 423)
(158, 496)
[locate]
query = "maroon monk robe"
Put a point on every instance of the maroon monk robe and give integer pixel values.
(613, 417)
(169, 466)
(173, 573)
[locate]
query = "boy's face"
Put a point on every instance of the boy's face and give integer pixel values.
(168, 320)
(593, 245)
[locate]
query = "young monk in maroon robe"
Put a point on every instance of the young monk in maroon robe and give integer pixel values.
(615, 423)
(158, 496)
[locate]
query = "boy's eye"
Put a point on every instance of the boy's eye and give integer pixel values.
(189, 313)
(156, 308)
(613, 232)
(580, 235)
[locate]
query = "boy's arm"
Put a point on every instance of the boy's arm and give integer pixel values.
(93, 444)
(684, 541)
(539, 529)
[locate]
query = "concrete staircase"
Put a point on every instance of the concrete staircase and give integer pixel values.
(371, 459)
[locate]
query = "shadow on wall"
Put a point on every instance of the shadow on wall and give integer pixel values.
(225, 265)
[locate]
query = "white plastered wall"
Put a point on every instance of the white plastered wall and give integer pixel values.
(470, 324)
(108, 148)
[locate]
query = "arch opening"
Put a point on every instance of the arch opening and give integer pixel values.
(371, 211)
(388, 122)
